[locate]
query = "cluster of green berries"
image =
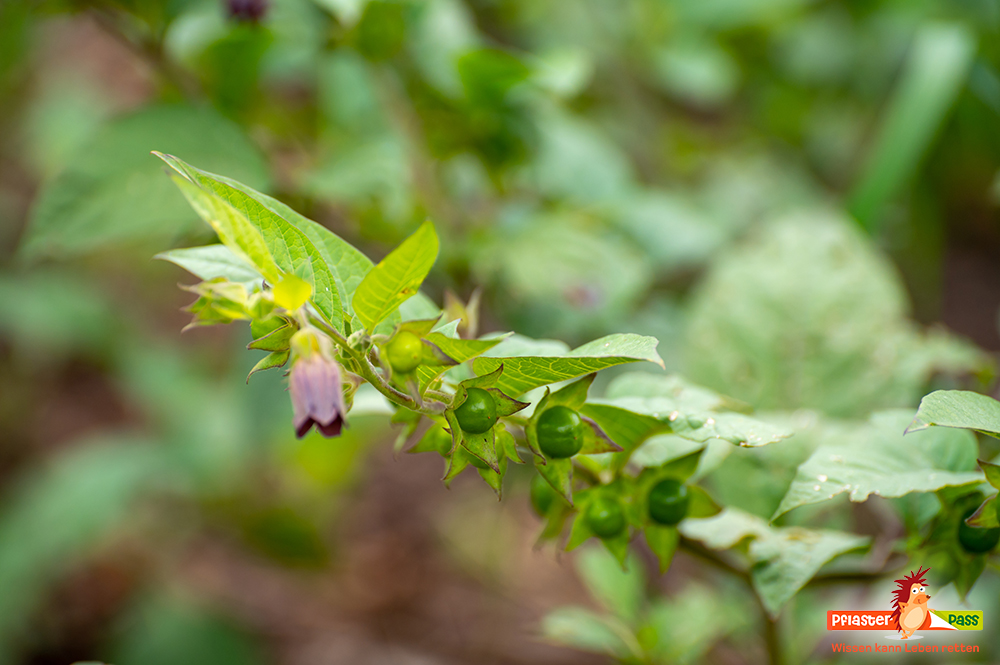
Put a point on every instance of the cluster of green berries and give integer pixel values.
(667, 504)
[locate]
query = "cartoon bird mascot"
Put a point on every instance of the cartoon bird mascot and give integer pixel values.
(909, 604)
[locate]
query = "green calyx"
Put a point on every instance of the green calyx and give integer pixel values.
(976, 540)
(542, 495)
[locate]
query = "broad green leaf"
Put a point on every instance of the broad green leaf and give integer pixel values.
(60, 513)
(522, 373)
(684, 635)
(622, 592)
(875, 458)
(291, 292)
(784, 560)
(663, 541)
(234, 230)
(644, 417)
(992, 472)
(939, 61)
(112, 192)
(672, 386)
(166, 628)
(212, 261)
(582, 629)
(985, 516)
(807, 314)
(235, 211)
(349, 263)
(459, 350)
(958, 408)
(397, 277)
(49, 314)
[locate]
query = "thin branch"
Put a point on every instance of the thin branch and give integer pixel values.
(367, 371)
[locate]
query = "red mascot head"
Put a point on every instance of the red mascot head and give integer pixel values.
(902, 593)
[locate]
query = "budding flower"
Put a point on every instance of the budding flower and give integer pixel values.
(315, 386)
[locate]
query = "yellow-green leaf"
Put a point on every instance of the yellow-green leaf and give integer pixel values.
(397, 277)
(292, 292)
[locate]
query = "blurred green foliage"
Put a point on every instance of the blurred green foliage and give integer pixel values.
(764, 185)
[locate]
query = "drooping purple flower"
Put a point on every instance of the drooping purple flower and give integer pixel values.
(317, 395)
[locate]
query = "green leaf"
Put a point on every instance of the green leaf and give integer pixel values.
(992, 472)
(291, 292)
(60, 513)
(836, 338)
(234, 230)
(170, 628)
(112, 192)
(573, 395)
(459, 350)
(621, 591)
(582, 629)
(397, 277)
(662, 540)
(213, 261)
(985, 516)
(495, 479)
(661, 414)
(273, 360)
(523, 373)
(559, 474)
(276, 340)
(702, 504)
(938, 64)
(300, 246)
(784, 560)
(875, 458)
(683, 633)
(967, 575)
(958, 408)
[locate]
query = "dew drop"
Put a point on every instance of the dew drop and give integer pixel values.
(821, 478)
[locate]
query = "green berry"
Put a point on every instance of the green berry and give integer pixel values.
(668, 502)
(542, 495)
(605, 517)
(404, 352)
(478, 413)
(560, 432)
(976, 540)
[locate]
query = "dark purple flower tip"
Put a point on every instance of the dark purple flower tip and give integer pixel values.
(251, 11)
(317, 396)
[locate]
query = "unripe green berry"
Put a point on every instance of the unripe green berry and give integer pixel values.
(560, 432)
(404, 352)
(668, 502)
(478, 413)
(605, 517)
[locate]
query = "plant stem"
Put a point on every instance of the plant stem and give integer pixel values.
(368, 372)
(772, 635)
